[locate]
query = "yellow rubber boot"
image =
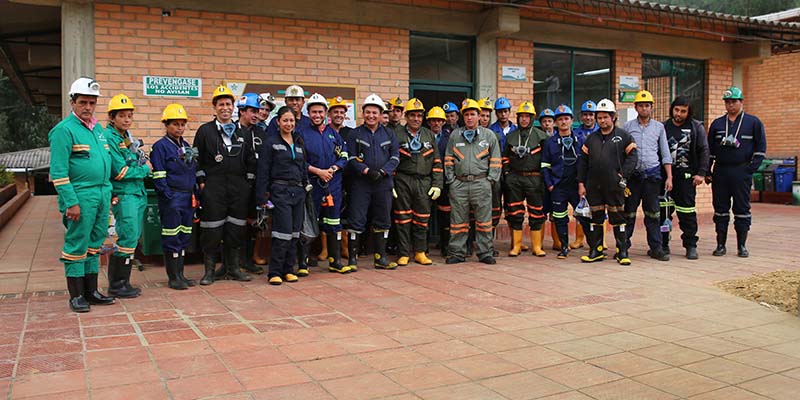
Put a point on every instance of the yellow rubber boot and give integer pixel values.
(536, 242)
(421, 258)
(579, 237)
(323, 252)
(516, 243)
(402, 261)
(554, 235)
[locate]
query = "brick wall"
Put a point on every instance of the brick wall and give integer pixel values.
(517, 53)
(134, 41)
(627, 63)
(772, 93)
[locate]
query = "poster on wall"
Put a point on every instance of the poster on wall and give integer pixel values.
(172, 86)
(278, 89)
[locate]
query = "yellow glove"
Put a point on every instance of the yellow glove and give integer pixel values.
(627, 192)
(435, 192)
(394, 193)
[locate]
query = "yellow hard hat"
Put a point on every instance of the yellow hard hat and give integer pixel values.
(174, 111)
(396, 102)
(120, 102)
(644, 97)
(337, 101)
(526, 107)
(222, 91)
(436, 113)
(470, 104)
(486, 104)
(414, 105)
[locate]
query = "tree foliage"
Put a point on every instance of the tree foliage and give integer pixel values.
(22, 126)
(748, 8)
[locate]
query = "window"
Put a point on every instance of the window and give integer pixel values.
(440, 68)
(569, 76)
(667, 78)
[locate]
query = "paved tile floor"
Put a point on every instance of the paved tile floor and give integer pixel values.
(526, 328)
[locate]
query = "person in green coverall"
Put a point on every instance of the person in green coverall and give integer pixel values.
(129, 167)
(80, 167)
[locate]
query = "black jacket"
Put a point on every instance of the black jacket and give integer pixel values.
(699, 153)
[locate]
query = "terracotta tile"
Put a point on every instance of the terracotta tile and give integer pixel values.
(185, 349)
(438, 318)
(749, 338)
(112, 342)
(626, 340)
(764, 359)
(628, 364)
(524, 385)
(702, 326)
(363, 344)
(278, 325)
(214, 320)
(359, 387)
(625, 389)
(583, 329)
(497, 342)
(535, 357)
(794, 374)
(170, 336)
(101, 377)
(198, 386)
(511, 323)
(345, 330)
(383, 360)
(625, 322)
(153, 390)
(578, 374)
(158, 326)
(50, 363)
(64, 334)
(574, 395)
(394, 324)
(154, 315)
(712, 345)
(672, 354)
(176, 368)
(31, 349)
(465, 329)
(225, 330)
(325, 319)
(417, 336)
(82, 394)
(461, 391)
(334, 367)
(482, 366)
(679, 382)
(776, 387)
(583, 349)
(447, 350)
(9, 351)
(256, 357)
(103, 358)
(294, 392)
(666, 333)
(725, 370)
(312, 350)
(791, 349)
(108, 330)
(7, 369)
(728, 393)
(49, 384)
(238, 343)
(544, 335)
(103, 320)
(271, 376)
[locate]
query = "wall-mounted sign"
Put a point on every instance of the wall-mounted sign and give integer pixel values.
(628, 82)
(627, 97)
(513, 73)
(172, 86)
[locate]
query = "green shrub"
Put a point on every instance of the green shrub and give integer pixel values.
(6, 177)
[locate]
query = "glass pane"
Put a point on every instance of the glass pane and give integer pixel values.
(551, 78)
(592, 77)
(690, 82)
(668, 78)
(440, 59)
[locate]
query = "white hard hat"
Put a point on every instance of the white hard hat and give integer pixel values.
(606, 105)
(294, 91)
(267, 99)
(85, 86)
(317, 98)
(374, 100)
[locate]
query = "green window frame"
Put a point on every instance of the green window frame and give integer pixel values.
(433, 74)
(583, 74)
(669, 77)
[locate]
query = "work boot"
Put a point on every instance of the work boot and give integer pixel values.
(304, 260)
(91, 294)
(334, 258)
(234, 270)
(563, 240)
(622, 246)
(421, 258)
(658, 254)
(352, 252)
(665, 243)
(381, 262)
(579, 237)
(595, 240)
(444, 243)
(537, 237)
(221, 273)
(722, 237)
(402, 261)
(247, 256)
(555, 237)
(77, 303)
(171, 265)
(516, 243)
(454, 260)
(488, 260)
(119, 273)
(323, 252)
(691, 253)
(209, 275)
(189, 282)
(741, 240)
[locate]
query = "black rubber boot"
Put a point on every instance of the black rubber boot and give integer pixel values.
(722, 237)
(621, 238)
(189, 282)
(232, 264)
(91, 294)
(77, 303)
(741, 241)
(595, 240)
(335, 254)
(352, 251)
(303, 261)
(564, 238)
(444, 243)
(247, 257)
(209, 264)
(125, 275)
(118, 278)
(381, 262)
(171, 265)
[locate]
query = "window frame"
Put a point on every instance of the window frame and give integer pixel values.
(704, 81)
(572, 50)
(434, 84)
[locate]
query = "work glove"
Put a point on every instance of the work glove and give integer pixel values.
(309, 188)
(434, 193)
(394, 193)
(374, 175)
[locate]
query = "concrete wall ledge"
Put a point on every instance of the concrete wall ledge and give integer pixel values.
(11, 207)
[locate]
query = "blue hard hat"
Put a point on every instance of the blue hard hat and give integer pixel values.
(450, 107)
(564, 109)
(502, 103)
(546, 113)
(588, 106)
(249, 100)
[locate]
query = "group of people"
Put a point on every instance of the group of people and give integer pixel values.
(382, 179)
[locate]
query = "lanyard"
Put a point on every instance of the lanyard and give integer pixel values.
(735, 135)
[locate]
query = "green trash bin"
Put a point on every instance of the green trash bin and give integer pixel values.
(151, 232)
